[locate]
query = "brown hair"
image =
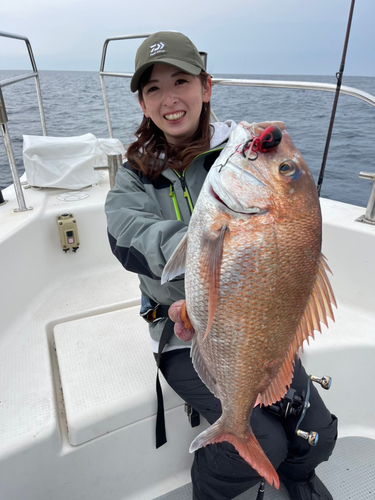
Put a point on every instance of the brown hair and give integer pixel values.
(144, 152)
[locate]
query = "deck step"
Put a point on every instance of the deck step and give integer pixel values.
(107, 373)
(349, 475)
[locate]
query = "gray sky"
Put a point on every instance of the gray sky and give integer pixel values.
(240, 36)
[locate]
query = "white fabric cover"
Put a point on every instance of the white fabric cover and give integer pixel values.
(66, 162)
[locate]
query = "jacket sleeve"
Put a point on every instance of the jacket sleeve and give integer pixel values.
(138, 234)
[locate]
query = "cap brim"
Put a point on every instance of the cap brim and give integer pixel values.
(184, 66)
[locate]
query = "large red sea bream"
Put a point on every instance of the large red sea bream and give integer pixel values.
(255, 279)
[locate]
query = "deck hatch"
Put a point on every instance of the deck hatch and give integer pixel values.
(107, 373)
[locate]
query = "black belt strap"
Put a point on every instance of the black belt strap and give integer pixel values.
(161, 437)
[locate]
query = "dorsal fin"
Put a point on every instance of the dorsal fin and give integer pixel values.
(318, 309)
(176, 264)
(211, 266)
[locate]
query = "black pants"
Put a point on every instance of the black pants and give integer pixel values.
(218, 472)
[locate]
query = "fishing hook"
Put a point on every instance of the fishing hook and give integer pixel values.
(226, 161)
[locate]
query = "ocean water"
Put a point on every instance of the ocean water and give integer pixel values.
(73, 105)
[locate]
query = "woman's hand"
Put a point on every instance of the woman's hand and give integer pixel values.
(178, 314)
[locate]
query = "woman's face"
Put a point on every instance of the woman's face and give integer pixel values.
(173, 100)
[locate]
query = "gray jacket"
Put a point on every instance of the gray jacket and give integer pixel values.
(143, 225)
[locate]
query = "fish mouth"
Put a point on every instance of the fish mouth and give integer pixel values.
(238, 209)
(228, 199)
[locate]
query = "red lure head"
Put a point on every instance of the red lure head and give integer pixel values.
(268, 140)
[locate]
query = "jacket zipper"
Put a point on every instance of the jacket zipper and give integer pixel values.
(172, 194)
(185, 188)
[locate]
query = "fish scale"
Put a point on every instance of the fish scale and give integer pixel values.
(255, 282)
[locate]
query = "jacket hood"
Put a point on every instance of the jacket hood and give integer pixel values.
(221, 133)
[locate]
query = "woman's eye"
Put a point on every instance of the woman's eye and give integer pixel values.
(151, 89)
(180, 81)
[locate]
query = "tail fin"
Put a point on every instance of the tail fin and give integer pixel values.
(248, 448)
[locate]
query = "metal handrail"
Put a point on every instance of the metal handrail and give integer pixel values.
(282, 84)
(4, 118)
(16, 79)
(369, 215)
(103, 73)
(285, 84)
(34, 74)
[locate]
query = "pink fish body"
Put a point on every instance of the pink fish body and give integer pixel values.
(255, 281)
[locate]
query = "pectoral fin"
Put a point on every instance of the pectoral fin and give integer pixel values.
(211, 269)
(176, 264)
(318, 309)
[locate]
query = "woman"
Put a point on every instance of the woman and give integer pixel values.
(148, 212)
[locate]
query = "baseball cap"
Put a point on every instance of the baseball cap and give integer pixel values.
(168, 47)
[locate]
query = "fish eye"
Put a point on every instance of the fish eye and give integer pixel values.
(288, 168)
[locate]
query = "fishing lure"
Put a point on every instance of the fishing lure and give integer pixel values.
(268, 140)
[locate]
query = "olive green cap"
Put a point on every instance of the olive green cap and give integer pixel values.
(168, 47)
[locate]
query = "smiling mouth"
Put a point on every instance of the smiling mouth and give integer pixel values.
(172, 117)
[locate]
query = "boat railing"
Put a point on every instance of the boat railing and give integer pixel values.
(368, 217)
(103, 73)
(4, 117)
(281, 84)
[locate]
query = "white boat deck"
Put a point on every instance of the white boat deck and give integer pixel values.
(99, 443)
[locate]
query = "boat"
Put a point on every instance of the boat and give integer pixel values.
(77, 377)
